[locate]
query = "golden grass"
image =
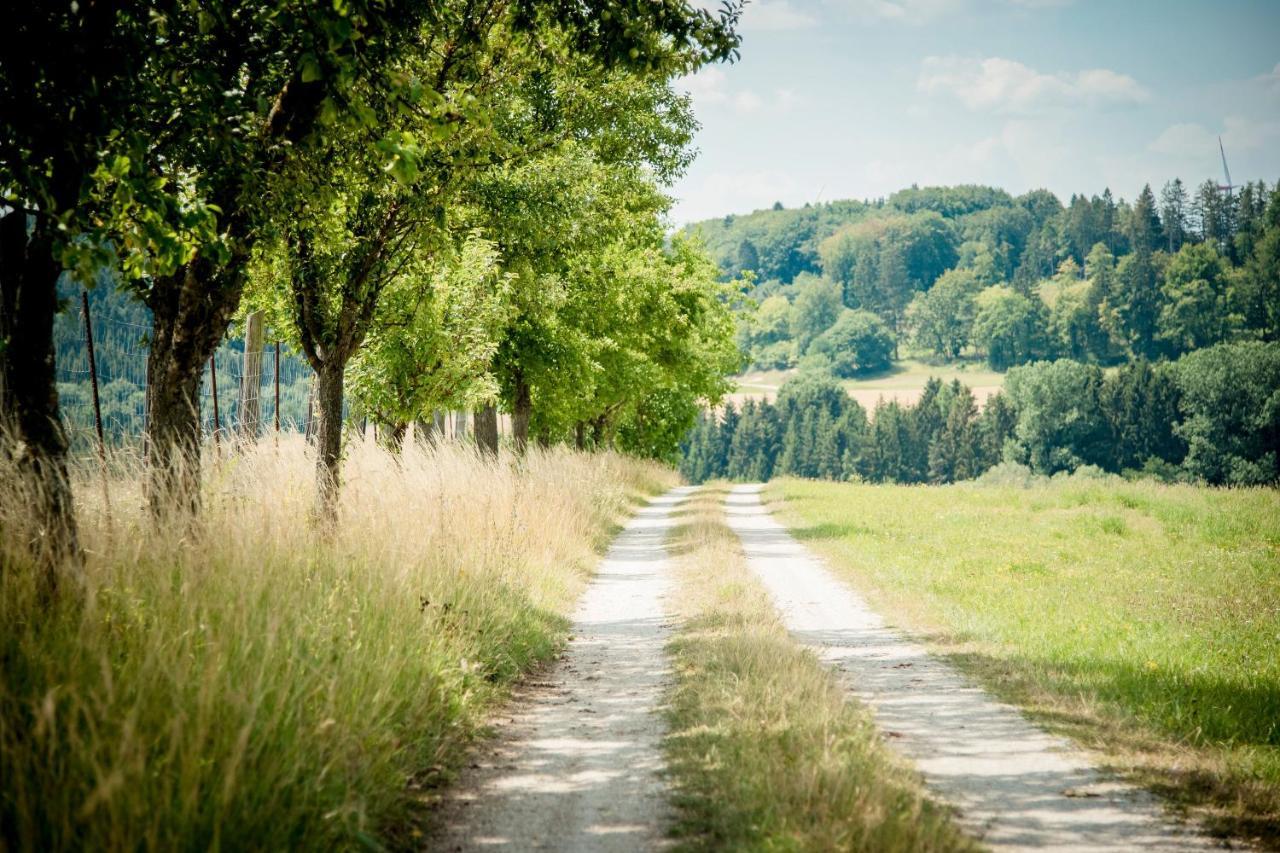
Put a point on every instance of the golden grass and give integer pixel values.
(1141, 619)
(251, 683)
(765, 751)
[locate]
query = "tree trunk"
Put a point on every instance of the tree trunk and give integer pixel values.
(250, 405)
(598, 427)
(487, 429)
(329, 382)
(521, 411)
(392, 436)
(173, 483)
(190, 313)
(31, 431)
(580, 435)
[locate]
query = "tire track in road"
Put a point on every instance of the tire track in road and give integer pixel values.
(580, 766)
(1015, 786)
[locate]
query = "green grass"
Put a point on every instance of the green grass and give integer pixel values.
(765, 751)
(254, 685)
(1142, 619)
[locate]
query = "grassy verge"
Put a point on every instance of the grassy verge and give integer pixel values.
(766, 753)
(252, 684)
(1141, 619)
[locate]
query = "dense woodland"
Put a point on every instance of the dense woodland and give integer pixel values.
(972, 270)
(1210, 416)
(1139, 336)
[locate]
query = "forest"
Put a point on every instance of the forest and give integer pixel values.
(1137, 336)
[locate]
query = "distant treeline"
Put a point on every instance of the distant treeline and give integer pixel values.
(971, 269)
(1212, 416)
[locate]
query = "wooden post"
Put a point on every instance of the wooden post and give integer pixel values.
(251, 379)
(146, 412)
(97, 405)
(93, 376)
(277, 387)
(311, 396)
(213, 380)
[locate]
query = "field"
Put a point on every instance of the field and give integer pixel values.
(258, 683)
(903, 382)
(1141, 619)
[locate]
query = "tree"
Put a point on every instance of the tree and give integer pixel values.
(1061, 424)
(1142, 226)
(1257, 285)
(1005, 327)
(1230, 403)
(1140, 404)
(857, 343)
(74, 102)
(1075, 316)
(953, 454)
(433, 337)
(942, 316)
(1131, 313)
(1195, 312)
(1173, 214)
(817, 306)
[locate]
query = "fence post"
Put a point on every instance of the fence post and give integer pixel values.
(251, 379)
(277, 387)
(97, 405)
(213, 380)
(311, 395)
(146, 411)
(93, 375)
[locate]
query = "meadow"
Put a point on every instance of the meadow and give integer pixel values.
(903, 382)
(1141, 619)
(253, 681)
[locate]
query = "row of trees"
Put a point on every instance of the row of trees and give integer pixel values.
(444, 201)
(957, 269)
(1213, 415)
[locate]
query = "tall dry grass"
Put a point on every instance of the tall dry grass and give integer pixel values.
(252, 681)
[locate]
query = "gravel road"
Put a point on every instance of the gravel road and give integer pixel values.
(579, 765)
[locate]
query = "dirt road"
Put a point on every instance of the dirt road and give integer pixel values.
(579, 767)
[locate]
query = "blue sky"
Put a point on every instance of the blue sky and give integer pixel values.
(857, 98)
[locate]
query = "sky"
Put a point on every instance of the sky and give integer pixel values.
(836, 99)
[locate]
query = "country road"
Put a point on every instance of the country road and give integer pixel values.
(579, 767)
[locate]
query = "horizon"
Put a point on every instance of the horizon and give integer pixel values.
(1066, 95)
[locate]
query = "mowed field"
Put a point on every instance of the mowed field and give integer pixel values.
(904, 382)
(1141, 619)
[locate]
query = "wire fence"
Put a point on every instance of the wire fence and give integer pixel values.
(283, 386)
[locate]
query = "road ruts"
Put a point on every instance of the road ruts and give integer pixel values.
(1015, 786)
(580, 766)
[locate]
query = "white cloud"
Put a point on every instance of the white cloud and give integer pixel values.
(1005, 86)
(776, 15)
(900, 11)
(710, 88)
(1194, 141)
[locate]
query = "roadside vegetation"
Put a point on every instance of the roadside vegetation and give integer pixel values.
(766, 751)
(1141, 619)
(253, 682)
